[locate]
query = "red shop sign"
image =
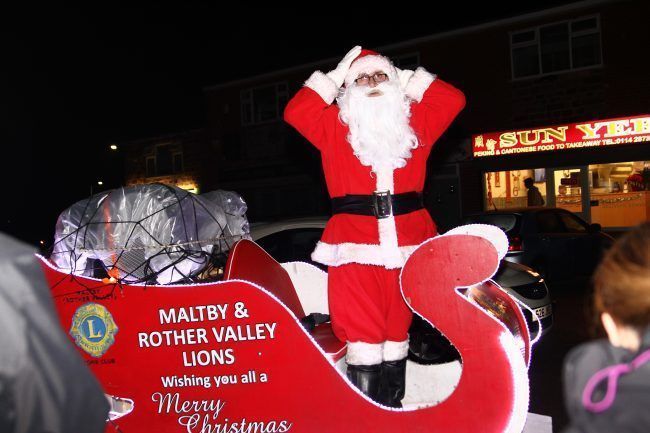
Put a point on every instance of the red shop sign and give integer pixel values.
(611, 132)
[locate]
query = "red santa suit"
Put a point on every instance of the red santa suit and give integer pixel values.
(364, 253)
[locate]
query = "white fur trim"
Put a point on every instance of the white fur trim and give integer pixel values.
(396, 350)
(323, 85)
(404, 76)
(495, 235)
(419, 83)
(388, 243)
(384, 180)
(368, 65)
(360, 353)
(366, 254)
(310, 283)
(386, 226)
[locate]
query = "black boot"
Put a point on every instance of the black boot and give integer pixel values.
(393, 382)
(367, 378)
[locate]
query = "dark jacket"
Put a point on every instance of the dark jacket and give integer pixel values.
(534, 197)
(630, 410)
(45, 385)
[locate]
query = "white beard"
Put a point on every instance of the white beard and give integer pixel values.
(380, 134)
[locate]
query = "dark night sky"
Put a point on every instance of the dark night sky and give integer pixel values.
(79, 79)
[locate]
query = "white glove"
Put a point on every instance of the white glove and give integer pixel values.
(338, 75)
(404, 75)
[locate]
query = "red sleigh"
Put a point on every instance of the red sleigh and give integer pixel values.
(232, 356)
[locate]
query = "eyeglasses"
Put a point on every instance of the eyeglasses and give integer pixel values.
(377, 77)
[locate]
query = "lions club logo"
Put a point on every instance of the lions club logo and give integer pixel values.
(93, 329)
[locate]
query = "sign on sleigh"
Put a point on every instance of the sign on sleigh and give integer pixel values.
(232, 356)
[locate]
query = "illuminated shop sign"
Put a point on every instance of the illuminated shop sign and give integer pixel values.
(612, 132)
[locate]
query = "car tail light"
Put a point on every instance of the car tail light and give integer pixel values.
(515, 244)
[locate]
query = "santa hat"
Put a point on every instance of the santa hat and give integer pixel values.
(369, 62)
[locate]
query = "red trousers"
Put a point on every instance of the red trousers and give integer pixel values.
(366, 304)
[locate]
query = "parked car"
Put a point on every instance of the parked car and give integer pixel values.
(290, 240)
(558, 244)
(295, 239)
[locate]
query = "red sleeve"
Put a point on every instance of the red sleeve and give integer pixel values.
(440, 104)
(312, 117)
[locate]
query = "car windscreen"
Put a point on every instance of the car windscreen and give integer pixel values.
(506, 222)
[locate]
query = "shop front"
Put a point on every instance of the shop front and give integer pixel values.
(599, 170)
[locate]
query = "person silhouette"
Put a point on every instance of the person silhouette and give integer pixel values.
(607, 382)
(534, 196)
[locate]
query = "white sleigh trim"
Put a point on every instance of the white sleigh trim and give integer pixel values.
(310, 283)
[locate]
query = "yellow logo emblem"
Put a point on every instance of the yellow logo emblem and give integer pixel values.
(93, 329)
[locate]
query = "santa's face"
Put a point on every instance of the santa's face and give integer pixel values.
(372, 81)
(377, 112)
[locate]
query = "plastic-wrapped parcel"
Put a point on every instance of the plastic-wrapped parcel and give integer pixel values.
(151, 233)
(234, 208)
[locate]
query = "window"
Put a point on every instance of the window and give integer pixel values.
(572, 223)
(177, 162)
(525, 60)
(507, 189)
(548, 222)
(151, 166)
(167, 159)
(291, 245)
(585, 43)
(554, 43)
(163, 161)
(263, 104)
(619, 193)
(557, 47)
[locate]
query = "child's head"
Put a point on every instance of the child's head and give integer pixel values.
(622, 282)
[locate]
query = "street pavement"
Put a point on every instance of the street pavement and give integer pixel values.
(574, 324)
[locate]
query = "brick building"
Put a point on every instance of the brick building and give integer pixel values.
(185, 160)
(574, 63)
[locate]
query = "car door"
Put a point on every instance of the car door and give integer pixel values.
(553, 256)
(583, 244)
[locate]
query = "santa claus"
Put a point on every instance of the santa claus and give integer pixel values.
(374, 145)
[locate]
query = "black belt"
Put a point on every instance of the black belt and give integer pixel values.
(379, 204)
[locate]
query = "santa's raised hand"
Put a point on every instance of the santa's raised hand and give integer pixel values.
(404, 76)
(338, 75)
